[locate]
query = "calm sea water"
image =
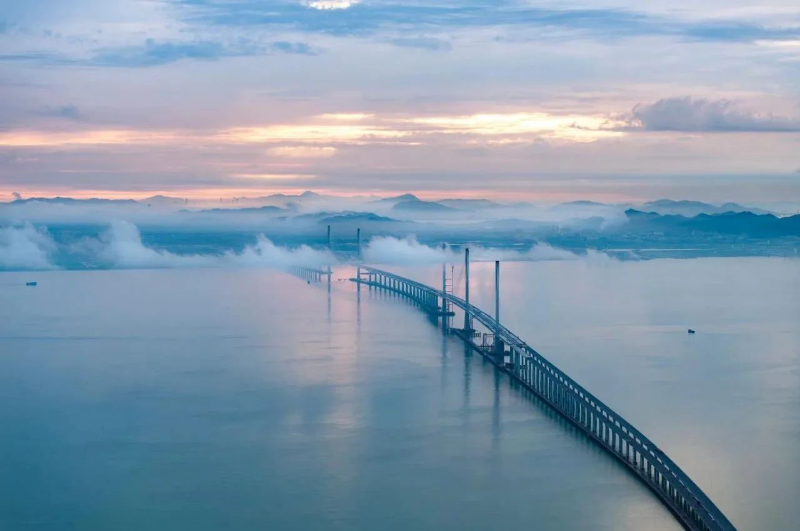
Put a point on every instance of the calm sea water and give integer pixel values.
(248, 399)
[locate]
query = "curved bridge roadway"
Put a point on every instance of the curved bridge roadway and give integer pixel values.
(693, 509)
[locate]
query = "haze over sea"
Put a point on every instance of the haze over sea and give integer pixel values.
(240, 398)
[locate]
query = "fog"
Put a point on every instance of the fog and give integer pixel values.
(120, 246)
(282, 230)
(251, 212)
(408, 251)
(25, 247)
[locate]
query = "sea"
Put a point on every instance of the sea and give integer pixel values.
(241, 398)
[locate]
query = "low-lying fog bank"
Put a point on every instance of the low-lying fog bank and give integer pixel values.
(282, 230)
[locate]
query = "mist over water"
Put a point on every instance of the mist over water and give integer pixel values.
(274, 231)
(408, 251)
(120, 245)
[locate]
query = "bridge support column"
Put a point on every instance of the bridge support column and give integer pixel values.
(467, 326)
(499, 347)
(499, 350)
(444, 290)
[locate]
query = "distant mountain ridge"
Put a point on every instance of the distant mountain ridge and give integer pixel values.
(469, 204)
(397, 199)
(73, 201)
(695, 208)
(729, 223)
(422, 207)
(350, 217)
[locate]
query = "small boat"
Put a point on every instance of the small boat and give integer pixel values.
(31, 283)
(691, 331)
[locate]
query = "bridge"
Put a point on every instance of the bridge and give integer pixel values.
(687, 502)
(310, 273)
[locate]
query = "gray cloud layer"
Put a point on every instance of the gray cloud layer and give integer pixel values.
(156, 53)
(701, 115)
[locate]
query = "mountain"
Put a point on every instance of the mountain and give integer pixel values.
(308, 194)
(417, 206)
(727, 223)
(349, 217)
(72, 201)
(252, 210)
(582, 203)
(305, 195)
(695, 208)
(397, 199)
(163, 200)
(468, 204)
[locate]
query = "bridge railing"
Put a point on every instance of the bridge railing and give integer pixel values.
(693, 509)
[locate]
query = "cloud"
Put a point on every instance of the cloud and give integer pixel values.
(338, 17)
(157, 53)
(739, 31)
(70, 112)
(303, 152)
(390, 250)
(407, 251)
(121, 246)
(24, 247)
(298, 48)
(353, 129)
(701, 115)
(154, 53)
(429, 44)
(326, 5)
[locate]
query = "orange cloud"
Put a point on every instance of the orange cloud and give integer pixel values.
(345, 128)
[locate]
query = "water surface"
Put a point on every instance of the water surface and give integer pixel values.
(239, 399)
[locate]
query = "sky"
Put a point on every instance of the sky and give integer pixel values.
(610, 100)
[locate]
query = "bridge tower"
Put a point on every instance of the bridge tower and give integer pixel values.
(447, 288)
(499, 346)
(467, 318)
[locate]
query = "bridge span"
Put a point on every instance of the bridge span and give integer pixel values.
(687, 502)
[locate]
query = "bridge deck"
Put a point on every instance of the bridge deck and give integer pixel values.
(692, 508)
